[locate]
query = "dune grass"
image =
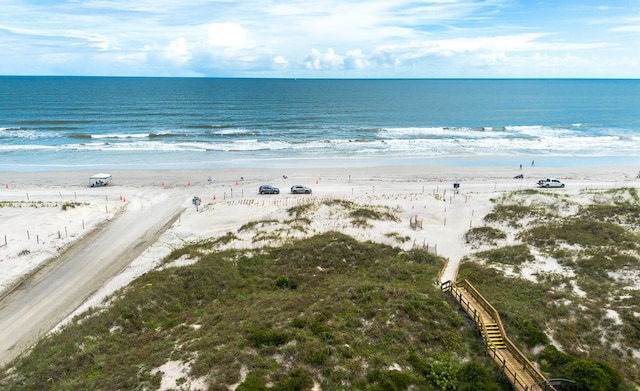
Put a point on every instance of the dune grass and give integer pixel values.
(587, 314)
(327, 310)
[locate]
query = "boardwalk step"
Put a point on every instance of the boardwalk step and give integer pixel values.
(492, 336)
(518, 374)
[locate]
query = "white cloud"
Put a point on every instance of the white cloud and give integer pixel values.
(627, 29)
(100, 42)
(227, 35)
(323, 61)
(178, 50)
(280, 62)
(324, 38)
(356, 60)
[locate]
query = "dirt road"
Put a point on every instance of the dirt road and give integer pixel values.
(44, 299)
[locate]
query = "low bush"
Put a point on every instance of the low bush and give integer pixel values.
(484, 235)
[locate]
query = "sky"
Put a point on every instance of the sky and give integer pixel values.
(322, 38)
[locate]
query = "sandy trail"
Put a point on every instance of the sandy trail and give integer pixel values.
(57, 289)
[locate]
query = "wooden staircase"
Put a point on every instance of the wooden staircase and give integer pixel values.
(492, 336)
(521, 373)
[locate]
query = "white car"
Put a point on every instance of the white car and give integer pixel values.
(550, 182)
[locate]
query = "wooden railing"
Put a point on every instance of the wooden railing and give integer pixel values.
(540, 382)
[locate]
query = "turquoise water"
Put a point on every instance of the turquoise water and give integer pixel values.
(61, 123)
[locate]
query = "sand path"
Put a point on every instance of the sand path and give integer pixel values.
(53, 292)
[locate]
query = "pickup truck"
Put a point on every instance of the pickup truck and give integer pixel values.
(550, 182)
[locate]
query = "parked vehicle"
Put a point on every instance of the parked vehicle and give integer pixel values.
(268, 189)
(550, 182)
(299, 189)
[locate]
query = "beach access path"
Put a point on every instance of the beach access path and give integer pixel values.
(48, 296)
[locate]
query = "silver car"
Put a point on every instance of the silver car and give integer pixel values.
(299, 189)
(550, 182)
(268, 189)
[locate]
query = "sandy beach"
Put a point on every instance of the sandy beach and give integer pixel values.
(44, 214)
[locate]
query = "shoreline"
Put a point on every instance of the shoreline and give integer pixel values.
(193, 162)
(235, 175)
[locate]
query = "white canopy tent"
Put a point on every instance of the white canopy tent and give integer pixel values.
(101, 179)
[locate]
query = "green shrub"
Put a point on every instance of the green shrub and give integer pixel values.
(532, 335)
(553, 359)
(298, 380)
(577, 231)
(316, 354)
(510, 255)
(282, 282)
(267, 337)
(474, 377)
(226, 238)
(444, 370)
(390, 380)
(511, 214)
(484, 235)
(70, 205)
(301, 210)
(252, 383)
(592, 375)
(619, 212)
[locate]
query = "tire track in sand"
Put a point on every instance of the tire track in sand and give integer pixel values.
(39, 302)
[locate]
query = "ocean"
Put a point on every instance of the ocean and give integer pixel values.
(103, 123)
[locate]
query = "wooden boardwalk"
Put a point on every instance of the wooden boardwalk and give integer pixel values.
(522, 373)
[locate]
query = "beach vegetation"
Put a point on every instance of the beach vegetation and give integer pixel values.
(70, 205)
(361, 215)
(257, 224)
(508, 255)
(593, 375)
(225, 239)
(325, 310)
(530, 204)
(41, 204)
(585, 305)
(189, 251)
(397, 237)
(302, 218)
(345, 204)
(583, 232)
(303, 209)
(511, 214)
(620, 212)
(485, 235)
(624, 194)
(299, 224)
(475, 377)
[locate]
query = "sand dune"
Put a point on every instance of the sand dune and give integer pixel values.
(44, 214)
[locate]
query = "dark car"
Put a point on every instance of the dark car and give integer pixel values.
(268, 189)
(299, 189)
